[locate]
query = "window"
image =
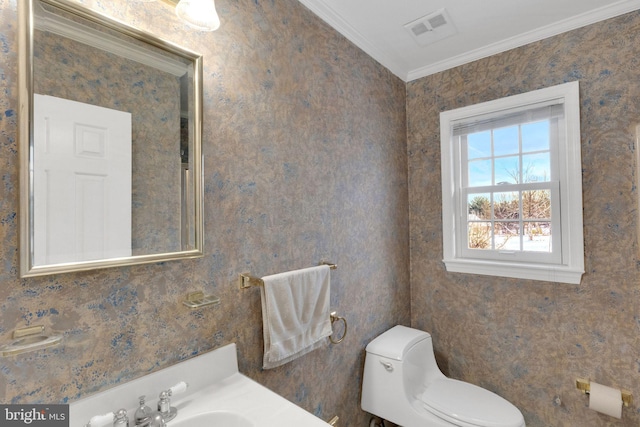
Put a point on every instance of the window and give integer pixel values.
(512, 186)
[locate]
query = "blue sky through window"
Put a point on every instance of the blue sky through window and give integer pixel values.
(498, 161)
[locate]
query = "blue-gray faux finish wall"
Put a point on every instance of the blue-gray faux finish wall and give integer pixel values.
(530, 340)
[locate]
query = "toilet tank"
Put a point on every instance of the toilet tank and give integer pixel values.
(398, 365)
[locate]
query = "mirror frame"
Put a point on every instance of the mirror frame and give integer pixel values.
(26, 27)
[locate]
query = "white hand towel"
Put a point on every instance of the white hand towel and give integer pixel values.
(295, 314)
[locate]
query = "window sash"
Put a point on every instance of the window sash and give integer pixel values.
(553, 111)
(463, 223)
(556, 128)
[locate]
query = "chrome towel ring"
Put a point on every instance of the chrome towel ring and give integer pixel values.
(335, 318)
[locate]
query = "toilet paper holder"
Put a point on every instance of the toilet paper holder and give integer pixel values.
(585, 386)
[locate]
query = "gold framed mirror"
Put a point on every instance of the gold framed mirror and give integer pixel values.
(110, 143)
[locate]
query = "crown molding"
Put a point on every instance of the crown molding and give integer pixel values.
(597, 15)
(326, 13)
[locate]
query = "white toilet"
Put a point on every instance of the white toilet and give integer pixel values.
(403, 384)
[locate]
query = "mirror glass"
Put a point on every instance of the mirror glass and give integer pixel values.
(111, 151)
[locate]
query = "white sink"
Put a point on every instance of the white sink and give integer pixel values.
(218, 395)
(216, 418)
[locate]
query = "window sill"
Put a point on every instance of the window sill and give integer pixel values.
(544, 272)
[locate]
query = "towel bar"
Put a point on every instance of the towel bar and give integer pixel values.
(331, 265)
(246, 280)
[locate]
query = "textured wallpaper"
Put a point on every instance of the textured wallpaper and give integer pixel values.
(529, 340)
(305, 159)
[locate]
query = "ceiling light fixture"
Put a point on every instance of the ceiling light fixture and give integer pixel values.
(199, 14)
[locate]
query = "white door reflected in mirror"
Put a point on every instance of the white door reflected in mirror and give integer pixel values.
(82, 182)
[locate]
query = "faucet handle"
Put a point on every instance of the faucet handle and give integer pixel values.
(164, 404)
(121, 419)
(181, 387)
(101, 420)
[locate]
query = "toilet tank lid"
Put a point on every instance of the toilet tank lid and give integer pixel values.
(394, 343)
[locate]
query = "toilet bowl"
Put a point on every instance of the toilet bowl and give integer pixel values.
(403, 384)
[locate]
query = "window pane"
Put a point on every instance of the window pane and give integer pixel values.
(537, 237)
(506, 141)
(479, 235)
(478, 206)
(507, 236)
(479, 173)
(535, 136)
(506, 205)
(536, 204)
(507, 170)
(537, 167)
(479, 145)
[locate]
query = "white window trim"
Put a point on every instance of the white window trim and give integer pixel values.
(571, 268)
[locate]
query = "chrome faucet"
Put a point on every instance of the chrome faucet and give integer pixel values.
(145, 417)
(167, 411)
(142, 413)
(164, 405)
(153, 420)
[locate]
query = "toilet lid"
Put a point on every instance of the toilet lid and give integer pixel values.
(469, 405)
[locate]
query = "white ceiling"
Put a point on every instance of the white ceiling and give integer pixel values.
(483, 27)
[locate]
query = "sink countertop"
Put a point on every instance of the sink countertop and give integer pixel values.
(244, 396)
(214, 385)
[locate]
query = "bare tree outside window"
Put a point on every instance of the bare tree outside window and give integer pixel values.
(510, 211)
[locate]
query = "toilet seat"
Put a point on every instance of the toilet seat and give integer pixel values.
(467, 405)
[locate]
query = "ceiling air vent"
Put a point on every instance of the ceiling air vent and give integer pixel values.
(431, 28)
